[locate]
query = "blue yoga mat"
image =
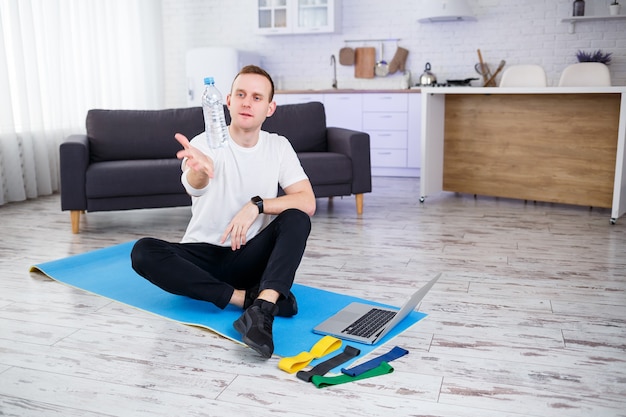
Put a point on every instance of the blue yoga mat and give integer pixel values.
(108, 272)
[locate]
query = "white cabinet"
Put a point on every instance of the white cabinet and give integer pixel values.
(280, 17)
(344, 110)
(272, 17)
(385, 118)
(316, 16)
(393, 121)
(414, 144)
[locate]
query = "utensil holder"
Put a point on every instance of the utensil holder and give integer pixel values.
(614, 9)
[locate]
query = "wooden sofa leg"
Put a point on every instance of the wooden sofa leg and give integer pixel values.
(359, 203)
(75, 217)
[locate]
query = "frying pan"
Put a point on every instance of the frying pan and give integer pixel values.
(382, 67)
(466, 81)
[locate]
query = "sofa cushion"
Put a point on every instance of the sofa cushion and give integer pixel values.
(304, 124)
(140, 134)
(325, 168)
(134, 178)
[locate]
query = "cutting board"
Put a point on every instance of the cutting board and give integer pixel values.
(364, 62)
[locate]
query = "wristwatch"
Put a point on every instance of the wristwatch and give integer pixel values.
(258, 201)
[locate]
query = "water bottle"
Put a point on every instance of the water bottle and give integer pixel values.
(213, 110)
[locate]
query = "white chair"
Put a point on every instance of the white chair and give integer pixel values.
(524, 76)
(586, 74)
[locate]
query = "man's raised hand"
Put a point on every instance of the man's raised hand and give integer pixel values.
(196, 159)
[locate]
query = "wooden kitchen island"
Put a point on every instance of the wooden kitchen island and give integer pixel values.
(556, 144)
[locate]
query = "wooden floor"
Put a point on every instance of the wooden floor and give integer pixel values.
(528, 319)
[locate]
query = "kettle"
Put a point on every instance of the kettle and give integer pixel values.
(428, 78)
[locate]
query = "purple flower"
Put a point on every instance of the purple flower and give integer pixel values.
(595, 56)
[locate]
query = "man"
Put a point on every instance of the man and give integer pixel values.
(243, 243)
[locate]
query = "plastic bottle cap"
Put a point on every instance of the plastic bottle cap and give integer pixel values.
(209, 80)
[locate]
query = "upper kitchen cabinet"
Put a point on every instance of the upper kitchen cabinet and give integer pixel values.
(281, 17)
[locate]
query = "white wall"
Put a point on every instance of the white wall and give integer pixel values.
(517, 31)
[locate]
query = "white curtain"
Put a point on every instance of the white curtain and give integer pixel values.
(58, 59)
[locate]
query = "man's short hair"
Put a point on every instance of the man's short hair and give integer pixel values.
(253, 69)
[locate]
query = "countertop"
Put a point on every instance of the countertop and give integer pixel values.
(522, 90)
(346, 91)
(464, 90)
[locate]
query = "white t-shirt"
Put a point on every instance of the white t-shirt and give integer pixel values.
(240, 174)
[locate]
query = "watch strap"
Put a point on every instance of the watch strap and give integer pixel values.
(393, 354)
(322, 368)
(258, 202)
(323, 347)
(325, 381)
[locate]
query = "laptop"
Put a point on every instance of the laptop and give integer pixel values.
(367, 323)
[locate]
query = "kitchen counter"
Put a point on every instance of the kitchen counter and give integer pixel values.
(555, 144)
(461, 90)
(522, 90)
(346, 91)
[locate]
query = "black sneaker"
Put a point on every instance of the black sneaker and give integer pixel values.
(287, 307)
(255, 325)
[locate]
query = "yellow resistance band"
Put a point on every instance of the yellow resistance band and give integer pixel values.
(323, 347)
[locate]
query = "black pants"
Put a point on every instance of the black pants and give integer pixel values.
(211, 273)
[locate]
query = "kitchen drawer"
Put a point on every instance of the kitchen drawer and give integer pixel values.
(385, 102)
(380, 139)
(385, 121)
(297, 98)
(346, 100)
(395, 158)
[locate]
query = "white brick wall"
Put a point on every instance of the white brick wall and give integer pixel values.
(517, 31)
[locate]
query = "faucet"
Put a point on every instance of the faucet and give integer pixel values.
(333, 62)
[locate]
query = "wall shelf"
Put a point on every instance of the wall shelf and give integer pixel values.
(575, 19)
(373, 40)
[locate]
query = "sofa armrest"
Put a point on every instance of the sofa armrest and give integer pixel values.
(74, 160)
(355, 145)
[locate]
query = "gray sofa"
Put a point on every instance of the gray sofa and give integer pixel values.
(127, 160)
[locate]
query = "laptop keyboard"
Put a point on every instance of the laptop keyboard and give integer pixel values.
(369, 323)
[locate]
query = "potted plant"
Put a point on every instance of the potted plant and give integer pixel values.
(614, 8)
(595, 56)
